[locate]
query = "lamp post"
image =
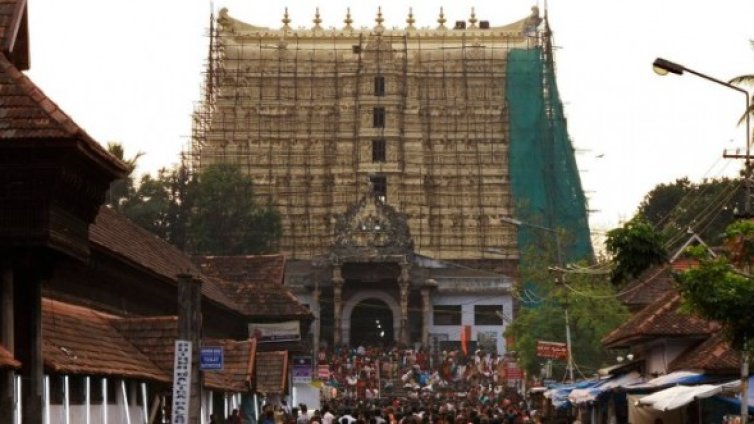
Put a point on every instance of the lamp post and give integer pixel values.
(663, 67)
(559, 255)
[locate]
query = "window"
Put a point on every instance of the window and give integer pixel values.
(379, 117)
(447, 314)
(488, 314)
(379, 85)
(378, 150)
(379, 187)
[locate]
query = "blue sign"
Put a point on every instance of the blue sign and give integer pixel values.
(211, 359)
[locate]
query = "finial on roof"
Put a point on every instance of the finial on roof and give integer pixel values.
(317, 19)
(379, 28)
(441, 20)
(472, 19)
(286, 20)
(410, 21)
(348, 21)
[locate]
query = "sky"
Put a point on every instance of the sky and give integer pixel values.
(130, 71)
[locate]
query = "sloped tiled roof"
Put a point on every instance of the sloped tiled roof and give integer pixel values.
(155, 338)
(79, 340)
(647, 288)
(271, 372)
(132, 244)
(7, 360)
(238, 367)
(27, 113)
(713, 356)
(256, 282)
(659, 319)
(245, 269)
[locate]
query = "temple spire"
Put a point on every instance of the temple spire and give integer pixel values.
(472, 19)
(286, 20)
(348, 21)
(441, 20)
(379, 19)
(410, 20)
(317, 20)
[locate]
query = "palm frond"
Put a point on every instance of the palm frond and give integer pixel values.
(743, 80)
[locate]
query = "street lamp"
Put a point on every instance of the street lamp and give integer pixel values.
(558, 252)
(663, 67)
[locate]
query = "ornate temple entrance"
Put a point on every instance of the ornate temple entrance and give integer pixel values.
(370, 317)
(372, 324)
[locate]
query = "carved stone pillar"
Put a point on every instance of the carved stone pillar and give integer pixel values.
(337, 290)
(317, 330)
(429, 285)
(403, 284)
(425, 317)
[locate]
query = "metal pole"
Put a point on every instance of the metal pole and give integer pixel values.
(569, 364)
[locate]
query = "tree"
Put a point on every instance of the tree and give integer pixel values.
(592, 306)
(121, 190)
(226, 219)
(635, 247)
(706, 207)
(722, 289)
(149, 203)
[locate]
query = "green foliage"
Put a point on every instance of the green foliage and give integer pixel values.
(213, 214)
(226, 220)
(635, 247)
(721, 288)
(121, 190)
(593, 312)
(707, 207)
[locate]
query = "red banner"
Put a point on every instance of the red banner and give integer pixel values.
(552, 350)
(465, 337)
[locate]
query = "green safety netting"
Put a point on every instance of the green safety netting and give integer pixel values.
(545, 181)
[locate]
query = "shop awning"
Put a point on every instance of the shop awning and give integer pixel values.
(672, 379)
(733, 387)
(559, 395)
(590, 394)
(678, 396)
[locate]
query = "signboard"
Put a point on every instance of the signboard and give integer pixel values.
(181, 381)
(513, 372)
(211, 358)
(552, 350)
(302, 369)
(323, 372)
(275, 332)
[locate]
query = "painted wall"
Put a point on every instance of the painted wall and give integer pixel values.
(467, 302)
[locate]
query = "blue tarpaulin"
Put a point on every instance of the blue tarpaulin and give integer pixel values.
(736, 401)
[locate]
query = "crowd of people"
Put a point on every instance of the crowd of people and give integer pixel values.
(366, 373)
(371, 385)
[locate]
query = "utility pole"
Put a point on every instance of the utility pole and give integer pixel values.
(663, 67)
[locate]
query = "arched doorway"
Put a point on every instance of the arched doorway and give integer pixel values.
(371, 324)
(380, 306)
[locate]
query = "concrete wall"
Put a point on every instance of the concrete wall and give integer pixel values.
(467, 302)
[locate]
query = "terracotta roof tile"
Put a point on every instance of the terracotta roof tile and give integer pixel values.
(79, 340)
(155, 337)
(238, 368)
(271, 372)
(713, 356)
(661, 318)
(119, 236)
(648, 287)
(256, 283)
(7, 360)
(257, 269)
(27, 113)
